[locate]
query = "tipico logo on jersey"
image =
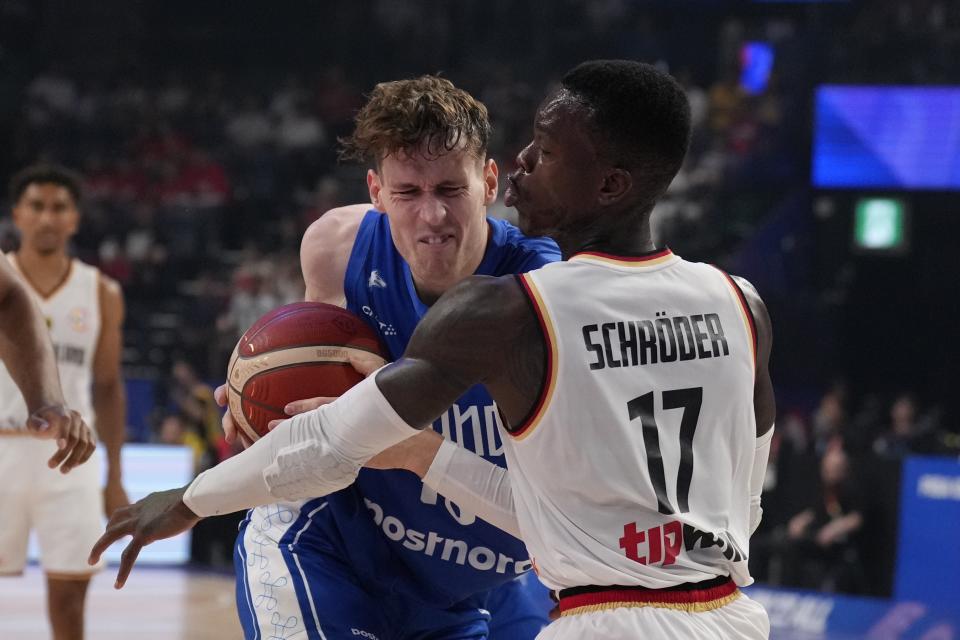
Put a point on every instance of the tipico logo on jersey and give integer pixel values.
(375, 281)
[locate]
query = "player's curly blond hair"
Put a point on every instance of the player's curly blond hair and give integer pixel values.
(426, 115)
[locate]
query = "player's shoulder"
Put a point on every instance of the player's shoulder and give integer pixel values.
(108, 287)
(533, 251)
(484, 298)
(750, 293)
(758, 309)
(334, 226)
(325, 252)
(109, 295)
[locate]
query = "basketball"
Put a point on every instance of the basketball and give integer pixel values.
(296, 351)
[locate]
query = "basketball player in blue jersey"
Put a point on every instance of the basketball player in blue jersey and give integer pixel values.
(388, 558)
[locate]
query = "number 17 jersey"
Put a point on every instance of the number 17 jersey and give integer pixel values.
(634, 465)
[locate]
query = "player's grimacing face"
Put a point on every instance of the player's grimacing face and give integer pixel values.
(437, 210)
(46, 216)
(558, 175)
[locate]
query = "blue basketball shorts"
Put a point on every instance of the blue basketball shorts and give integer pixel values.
(290, 587)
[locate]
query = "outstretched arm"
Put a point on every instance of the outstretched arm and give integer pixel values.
(472, 481)
(25, 343)
(471, 335)
(109, 396)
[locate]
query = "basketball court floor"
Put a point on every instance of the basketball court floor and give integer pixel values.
(156, 604)
(173, 603)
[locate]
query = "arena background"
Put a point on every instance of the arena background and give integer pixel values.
(206, 132)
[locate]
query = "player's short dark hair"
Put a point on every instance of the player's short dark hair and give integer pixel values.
(46, 173)
(426, 115)
(641, 115)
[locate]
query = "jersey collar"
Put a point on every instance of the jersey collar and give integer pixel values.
(657, 258)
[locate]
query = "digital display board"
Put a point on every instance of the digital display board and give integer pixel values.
(887, 138)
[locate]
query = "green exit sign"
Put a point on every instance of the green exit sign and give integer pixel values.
(880, 225)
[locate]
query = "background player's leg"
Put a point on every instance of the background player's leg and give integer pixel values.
(68, 519)
(15, 497)
(65, 601)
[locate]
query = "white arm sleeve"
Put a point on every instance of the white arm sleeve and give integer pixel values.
(311, 454)
(475, 484)
(757, 476)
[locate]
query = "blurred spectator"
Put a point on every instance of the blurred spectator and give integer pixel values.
(820, 549)
(174, 429)
(907, 433)
(205, 180)
(53, 91)
(828, 420)
(193, 402)
(251, 299)
(300, 130)
(250, 127)
(326, 196)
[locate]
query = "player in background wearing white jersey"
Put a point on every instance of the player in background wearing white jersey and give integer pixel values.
(84, 314)
(638, 509)
(26, 351)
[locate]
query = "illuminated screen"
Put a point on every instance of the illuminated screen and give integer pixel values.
(756, 62)
(879, 224)
(887, 137)
(148, 468)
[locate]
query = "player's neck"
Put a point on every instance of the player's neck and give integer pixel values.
(622, 239)
(44, 271)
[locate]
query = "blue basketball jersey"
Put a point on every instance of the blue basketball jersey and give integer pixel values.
(397, 533)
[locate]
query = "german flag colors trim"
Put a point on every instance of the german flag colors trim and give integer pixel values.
(692, 600)
(655, 259)
(746, 313)
(550, 375)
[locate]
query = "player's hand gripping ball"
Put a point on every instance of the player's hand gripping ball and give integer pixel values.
(300, 350)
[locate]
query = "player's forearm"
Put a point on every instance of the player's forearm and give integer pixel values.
(474, 483)
(757, 476)
(26, 349)
(109, 404)
(312, 454)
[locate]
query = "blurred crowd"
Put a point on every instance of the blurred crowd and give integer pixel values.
(830, 495)
(200, 180)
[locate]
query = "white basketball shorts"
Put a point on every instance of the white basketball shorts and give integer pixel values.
(722, 612)
(65, 510)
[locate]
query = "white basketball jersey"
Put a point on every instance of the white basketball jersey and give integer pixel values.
(634, 467)
(72, 312)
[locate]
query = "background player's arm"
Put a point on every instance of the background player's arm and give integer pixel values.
(109, 398)
(27, 352)
(764, 403)
(25, 345)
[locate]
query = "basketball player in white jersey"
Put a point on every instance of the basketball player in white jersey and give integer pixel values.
(84, 313)
(27, 353)
(634, 386)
